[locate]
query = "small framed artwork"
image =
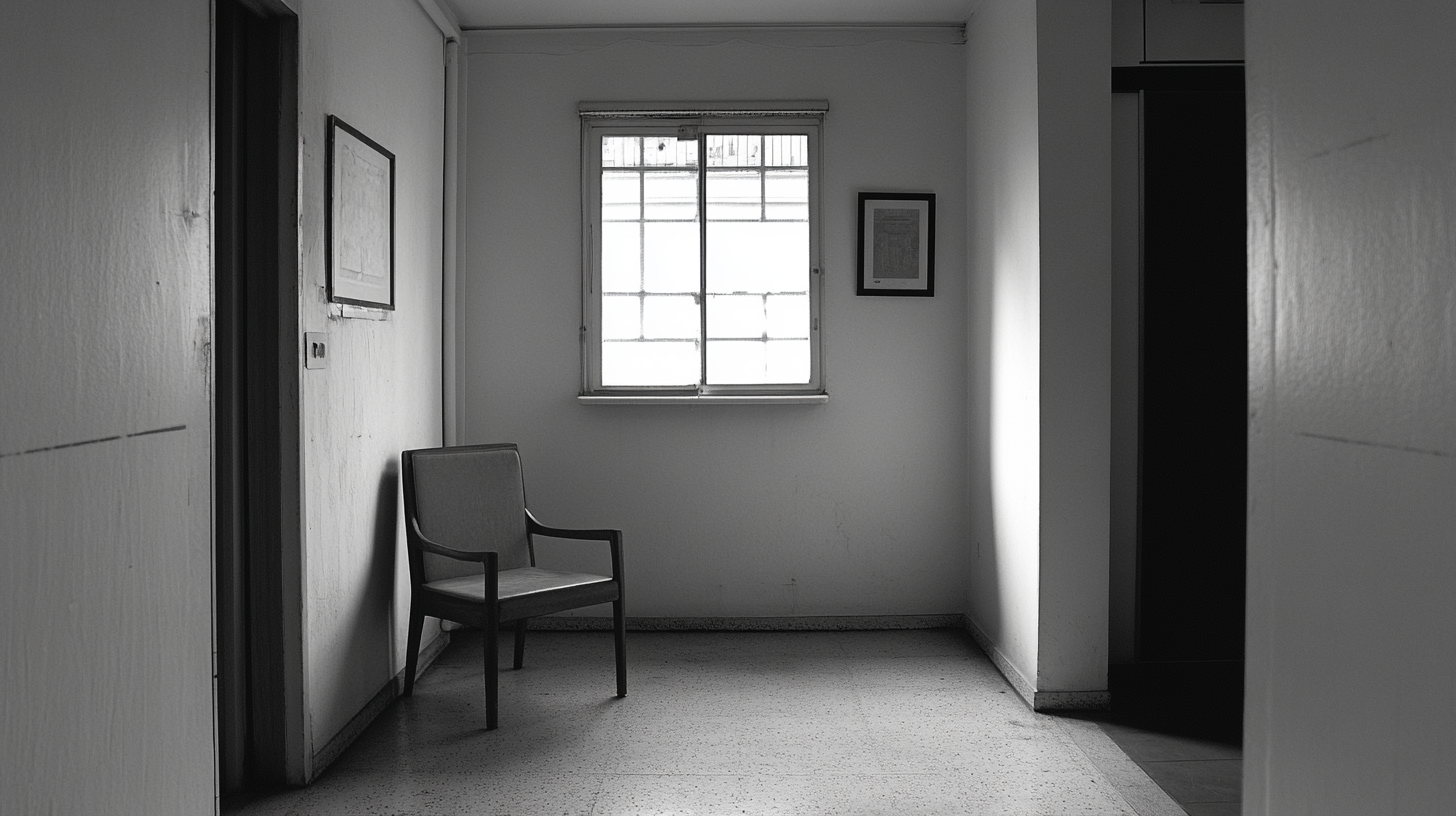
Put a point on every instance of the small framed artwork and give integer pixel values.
(360, 225)
(896, 244)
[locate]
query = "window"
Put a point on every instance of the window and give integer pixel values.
(701, 242)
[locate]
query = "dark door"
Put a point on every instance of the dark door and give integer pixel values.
(1193, 380)
(255, 134)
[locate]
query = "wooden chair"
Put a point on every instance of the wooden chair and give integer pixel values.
(472, 556)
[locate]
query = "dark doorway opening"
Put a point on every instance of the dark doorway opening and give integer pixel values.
(255, 399)
(1192, 402)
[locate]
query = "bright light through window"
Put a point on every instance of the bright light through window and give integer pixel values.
(704, 271)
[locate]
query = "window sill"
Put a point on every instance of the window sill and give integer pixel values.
(711, 399)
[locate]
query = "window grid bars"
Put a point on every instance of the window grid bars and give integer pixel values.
(702, 171)
(703, 161)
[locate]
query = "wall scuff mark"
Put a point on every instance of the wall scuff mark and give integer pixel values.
(94, 441)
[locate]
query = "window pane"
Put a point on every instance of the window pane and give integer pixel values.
(735, 316)
(667, 151)
(786, 150)
(787, 316)
(788, 361)
(758, 257)
(621, 317)
(671, 262)
(670, 195)
(671, 316)
(735, 195)
(756, 362)
(621, 151)
(622, 257)
(621, 195)
(734, 150)
(650, 363)
(786, 195)
(737, 362)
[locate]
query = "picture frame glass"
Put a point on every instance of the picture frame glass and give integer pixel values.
(897, 244)
(361, 223)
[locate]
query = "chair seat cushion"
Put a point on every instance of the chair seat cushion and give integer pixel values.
(531, 591)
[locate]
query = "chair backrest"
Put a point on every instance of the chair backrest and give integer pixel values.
(467, 498)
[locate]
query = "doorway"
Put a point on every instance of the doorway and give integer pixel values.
(255, 402)
(1191, 403)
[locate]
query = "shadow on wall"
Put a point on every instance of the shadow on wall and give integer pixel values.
(372, 640)
(385, 548)
(983, 603)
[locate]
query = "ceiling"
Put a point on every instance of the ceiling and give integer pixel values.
(547, 13)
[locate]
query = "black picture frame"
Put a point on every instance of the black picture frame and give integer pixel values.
(896, 245)
(359, 222)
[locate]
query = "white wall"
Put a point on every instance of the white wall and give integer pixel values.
(1039, 171)
(105, 252)
(1075, 139)
(378, 65)
(1351, 663)
(1005, 340)
(1180, 31)
(854, 507)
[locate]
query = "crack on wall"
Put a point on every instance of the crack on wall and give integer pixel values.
(1385, 445)
(1342, 148)
(99, 440)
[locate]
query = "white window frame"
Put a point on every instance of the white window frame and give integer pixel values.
(618, 119)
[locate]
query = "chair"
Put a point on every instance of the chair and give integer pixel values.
(472, 556)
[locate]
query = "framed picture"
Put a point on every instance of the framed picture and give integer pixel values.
(360, 226)
(896, 244)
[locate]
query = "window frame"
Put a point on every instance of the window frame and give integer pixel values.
(599, 120)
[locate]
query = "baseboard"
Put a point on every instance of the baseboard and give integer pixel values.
(380, 701)
(1072, 701)
(1009, 671)
(1038, 700)
(806, 623)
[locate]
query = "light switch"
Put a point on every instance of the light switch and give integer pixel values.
(315, 349)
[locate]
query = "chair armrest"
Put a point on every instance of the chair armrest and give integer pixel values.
(612, 537)
(535, 527)
(426, 545)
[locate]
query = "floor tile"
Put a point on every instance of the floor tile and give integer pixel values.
(1152, 746)
(903, 722)
(1199, 781)
(1215, 809)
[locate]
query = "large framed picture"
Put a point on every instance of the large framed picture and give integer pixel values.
(360, 226)
(896, 244)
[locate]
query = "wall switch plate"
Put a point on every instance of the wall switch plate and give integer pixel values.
(315, 349)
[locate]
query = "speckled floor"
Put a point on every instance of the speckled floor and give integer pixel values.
(899, 722)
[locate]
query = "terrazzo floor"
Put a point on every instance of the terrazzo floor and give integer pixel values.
(1198, 763)
(889, 722)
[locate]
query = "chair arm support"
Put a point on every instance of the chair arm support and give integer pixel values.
(426, 545)
(612, 537)
(535, 527)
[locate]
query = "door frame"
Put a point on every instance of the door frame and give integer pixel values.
(265, 355)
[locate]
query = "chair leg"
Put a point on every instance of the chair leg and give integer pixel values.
(412, 649)
(520, 643)
(492, 674)
(619, 624)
